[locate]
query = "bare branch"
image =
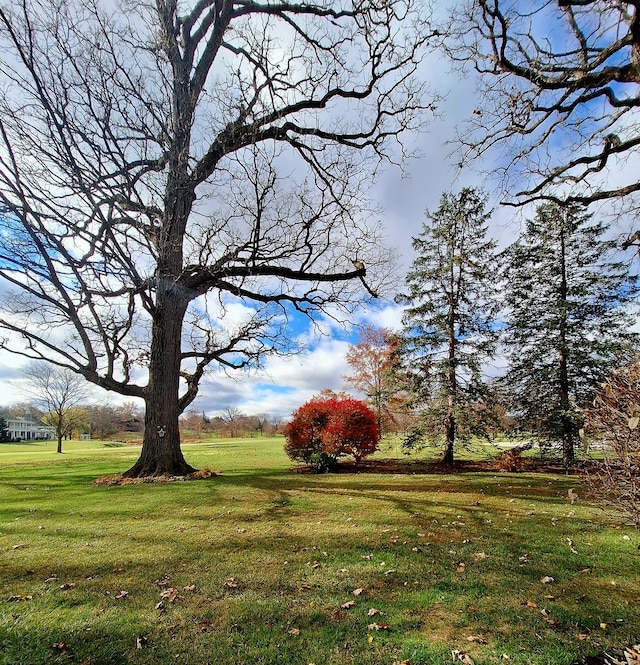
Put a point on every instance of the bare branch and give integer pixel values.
(558, 105)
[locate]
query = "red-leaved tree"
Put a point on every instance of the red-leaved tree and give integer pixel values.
(321, 431)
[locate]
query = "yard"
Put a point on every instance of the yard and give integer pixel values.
(262, 565)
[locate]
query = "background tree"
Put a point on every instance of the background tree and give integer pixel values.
(449, 316)
(567, 319)
(76, 422)
(59, 392)
(612, 424)
(371, 360)
(163, 165)
(559, 86)
(193, 422)
(4, 430)
(103, 420)
(233, 417)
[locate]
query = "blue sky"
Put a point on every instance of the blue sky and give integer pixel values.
(285, 383)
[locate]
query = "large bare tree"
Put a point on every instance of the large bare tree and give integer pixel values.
(558, 106)
(60, 393)
(176, 179)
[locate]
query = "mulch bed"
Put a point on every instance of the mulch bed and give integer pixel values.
(394, 466)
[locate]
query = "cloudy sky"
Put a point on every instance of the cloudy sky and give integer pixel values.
(285, 383)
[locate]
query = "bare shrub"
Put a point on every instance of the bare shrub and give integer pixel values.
(611, 428)
(512, 460)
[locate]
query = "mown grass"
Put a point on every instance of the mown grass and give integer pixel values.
(257, 565)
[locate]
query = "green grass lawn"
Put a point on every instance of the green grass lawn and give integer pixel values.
(260, 565)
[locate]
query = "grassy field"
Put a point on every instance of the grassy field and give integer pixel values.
(261, 565)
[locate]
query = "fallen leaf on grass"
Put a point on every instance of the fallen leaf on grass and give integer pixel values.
(294, 631)
(378, 626)
(358, 592)
(191, 587)
(462, 657)
(21, 546)
(305, 587)
(572, 546)
(479, 556)
(373, 612)
(477, 639)
(67, 585)
(461, 568)
(582, 637)
(531, 604)
(547, 580)
(204, 625)
(231, 583)
(14, 599)
(170, 594)
(348, 605)
(401, 662)
(122, 594)
(60, 646)
(141, 642)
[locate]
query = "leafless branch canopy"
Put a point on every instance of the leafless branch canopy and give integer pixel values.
(161, 162)
(558, 109)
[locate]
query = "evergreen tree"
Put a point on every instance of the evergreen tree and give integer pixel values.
(567, 319)
(449, 318)
(4, 431)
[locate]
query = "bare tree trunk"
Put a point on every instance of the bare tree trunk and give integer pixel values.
(450, 427)
(161, 453)
(568, 453)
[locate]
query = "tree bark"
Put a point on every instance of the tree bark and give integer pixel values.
(450, 426)
(161, 453)
(568, 453)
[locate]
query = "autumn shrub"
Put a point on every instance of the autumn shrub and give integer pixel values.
(512, 460)
(323, 430)
(611, 429)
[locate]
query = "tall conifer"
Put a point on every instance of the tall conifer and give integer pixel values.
(568, 318)
(449, 316)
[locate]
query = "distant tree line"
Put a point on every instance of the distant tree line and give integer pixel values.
(232, 423)
(109, 421)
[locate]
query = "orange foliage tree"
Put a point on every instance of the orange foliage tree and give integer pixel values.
(373, 362)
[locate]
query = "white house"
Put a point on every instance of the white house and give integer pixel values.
(28, 429)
